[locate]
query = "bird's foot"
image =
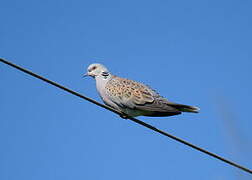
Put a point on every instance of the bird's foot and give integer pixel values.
(124, 116)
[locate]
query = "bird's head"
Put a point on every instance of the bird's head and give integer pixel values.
(95, 70)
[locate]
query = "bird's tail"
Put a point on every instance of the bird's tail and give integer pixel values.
(185, 108)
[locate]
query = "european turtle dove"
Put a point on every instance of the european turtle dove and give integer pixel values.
(132, 98)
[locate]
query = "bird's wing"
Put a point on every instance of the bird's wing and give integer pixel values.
(126, 92)
(134, 95)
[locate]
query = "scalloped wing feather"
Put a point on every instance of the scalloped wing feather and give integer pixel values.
(127, 92)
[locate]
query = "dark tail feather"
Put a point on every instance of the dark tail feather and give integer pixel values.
(185, 108)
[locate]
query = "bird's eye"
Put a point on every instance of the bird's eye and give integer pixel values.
(91, 69)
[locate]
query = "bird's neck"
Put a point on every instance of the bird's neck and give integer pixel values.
(101, 82)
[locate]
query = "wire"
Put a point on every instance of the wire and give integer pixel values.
(130, 118)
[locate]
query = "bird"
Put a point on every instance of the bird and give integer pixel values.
(132, 98)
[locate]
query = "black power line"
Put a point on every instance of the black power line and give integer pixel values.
(130, 118)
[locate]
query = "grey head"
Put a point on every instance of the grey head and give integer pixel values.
(96, 70)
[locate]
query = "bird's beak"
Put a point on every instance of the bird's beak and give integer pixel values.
(85, 75)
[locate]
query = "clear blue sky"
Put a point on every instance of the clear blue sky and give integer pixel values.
(192, 52)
